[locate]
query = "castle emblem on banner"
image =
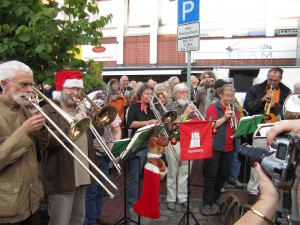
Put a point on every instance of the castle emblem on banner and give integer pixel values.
(195, 139)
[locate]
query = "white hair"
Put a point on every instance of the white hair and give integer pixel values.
(171, 79)
(179, 87)
(8, 69)
(297, 87)
(158, 86)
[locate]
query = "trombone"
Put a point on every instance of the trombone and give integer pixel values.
(62, 114)
(103, 117)
(169, 116)
(268, 105)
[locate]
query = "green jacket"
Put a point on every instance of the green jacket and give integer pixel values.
(20, 185)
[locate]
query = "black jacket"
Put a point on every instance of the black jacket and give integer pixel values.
(253, 104)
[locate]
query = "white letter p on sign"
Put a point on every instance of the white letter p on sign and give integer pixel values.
(187, 7)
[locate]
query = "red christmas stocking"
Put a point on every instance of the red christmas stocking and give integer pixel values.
(148, 205)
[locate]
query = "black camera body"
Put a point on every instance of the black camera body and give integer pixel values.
(279, 162)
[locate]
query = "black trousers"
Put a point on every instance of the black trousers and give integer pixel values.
(31, 220)
(215, 175)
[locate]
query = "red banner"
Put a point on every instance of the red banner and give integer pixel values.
(195, 139)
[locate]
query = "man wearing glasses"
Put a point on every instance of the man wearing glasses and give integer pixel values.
(178, 175)
(270, 91)
(65, 180)
(21, 133)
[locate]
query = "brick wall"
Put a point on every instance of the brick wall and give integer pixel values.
(137, 53)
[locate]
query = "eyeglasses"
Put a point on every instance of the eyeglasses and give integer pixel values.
(23, 85)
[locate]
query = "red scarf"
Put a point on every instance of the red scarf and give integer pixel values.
(143, 106)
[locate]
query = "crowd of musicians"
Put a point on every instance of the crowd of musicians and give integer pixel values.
(74, 197)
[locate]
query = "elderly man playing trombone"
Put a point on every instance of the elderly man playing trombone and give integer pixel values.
(65, 180)
(178, 175)
(21, 134)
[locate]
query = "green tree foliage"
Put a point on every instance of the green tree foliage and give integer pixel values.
(31, 32)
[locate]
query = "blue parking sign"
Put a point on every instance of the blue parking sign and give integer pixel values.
(188, 11)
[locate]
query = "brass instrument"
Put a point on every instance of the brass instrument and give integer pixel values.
(169, 116)
(105, 115)
(62, 114)
(291, 107)
(197, 112)
(233, 121)
(268, 105)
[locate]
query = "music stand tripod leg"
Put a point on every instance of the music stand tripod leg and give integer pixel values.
(185, 220)
(125, 219)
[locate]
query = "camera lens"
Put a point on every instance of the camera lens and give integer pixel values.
(248, 154)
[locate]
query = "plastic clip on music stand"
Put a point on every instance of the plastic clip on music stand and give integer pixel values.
(137, 143)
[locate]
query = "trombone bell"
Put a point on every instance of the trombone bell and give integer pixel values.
(105, 116)
(78, 128)
(169, 117)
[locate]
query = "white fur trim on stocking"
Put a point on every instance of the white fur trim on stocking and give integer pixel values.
(151, 167)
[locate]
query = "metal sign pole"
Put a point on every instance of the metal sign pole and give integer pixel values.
(188, 74)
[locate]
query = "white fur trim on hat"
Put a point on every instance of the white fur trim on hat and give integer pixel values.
(69, 83)
(56, 95)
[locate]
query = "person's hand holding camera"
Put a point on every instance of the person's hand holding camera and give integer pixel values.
(264, 210)
(283, 126)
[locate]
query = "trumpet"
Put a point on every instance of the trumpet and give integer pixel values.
(233, 121)
(169, 117)
(104, 116)
(197, 112)
(268, 105)
(33, 103)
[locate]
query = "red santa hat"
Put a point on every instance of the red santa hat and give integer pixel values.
(66, 78)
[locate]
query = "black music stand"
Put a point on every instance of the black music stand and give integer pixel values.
(138, 142)
(125, 219)
(186, 216)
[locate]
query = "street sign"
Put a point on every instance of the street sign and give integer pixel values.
(188, 44)
(188, 30)
(188, 11)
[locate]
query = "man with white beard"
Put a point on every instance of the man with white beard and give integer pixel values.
(21, 133)
(178, 175)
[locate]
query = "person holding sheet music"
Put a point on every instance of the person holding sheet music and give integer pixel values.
(217, 167)
(139, 115)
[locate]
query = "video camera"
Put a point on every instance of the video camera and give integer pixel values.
(279, 161)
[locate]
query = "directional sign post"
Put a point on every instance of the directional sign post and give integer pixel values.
(188, 31)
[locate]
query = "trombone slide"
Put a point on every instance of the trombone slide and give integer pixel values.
(94, 130)
(76, 148)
